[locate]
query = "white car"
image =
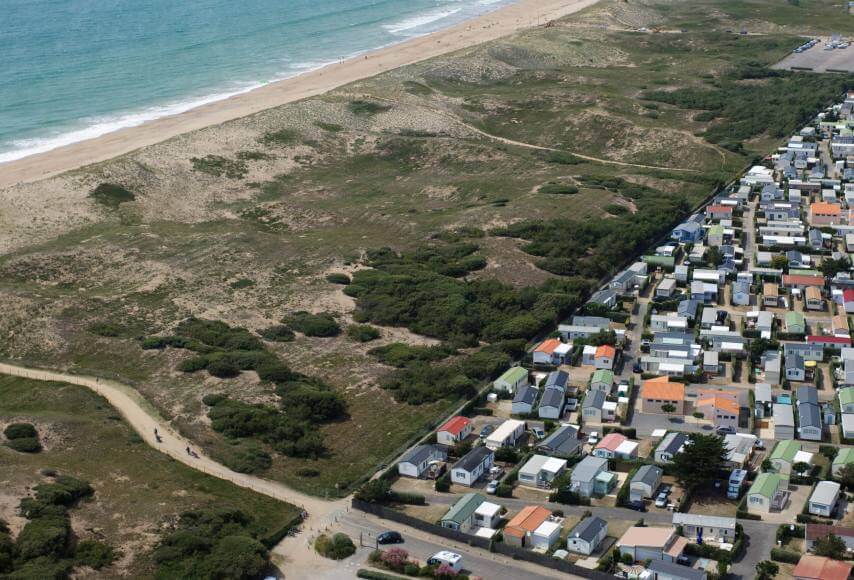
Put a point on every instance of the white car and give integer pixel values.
(491, 487)
(593, 438)
(571, 404)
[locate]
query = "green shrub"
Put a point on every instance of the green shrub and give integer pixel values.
(563, 158)
(785, 556)
(94, 554)
(213, 399)
(558, 189)
(248, 459)
(443, 484)
(193, 364)
(374, 491)
(25, 445)
(362, 332)
(111, 195)
(241, 283)
(281, 138)
(106, 329)
(331, 127)
(278, 333)
(44, 536)
(307, 472)
(20, 431)
(338, 278)
(504, 490)
(338, 547)
(219, 166)
(322, 325)
(398, 354)
(275, 372)
(223, 367)
(374, 575)
(366, 108)
(407, 498)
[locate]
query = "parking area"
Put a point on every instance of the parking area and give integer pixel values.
(817, 59)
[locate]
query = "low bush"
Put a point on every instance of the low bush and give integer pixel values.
(338, 278)
(785, 556)
(20, 431)
(558, 189)
(111, 195)
(321, 325)
(398, 354)
(248, 459)
(281, 137)
(338, 547)
(25, 445)
(407, 498)
(362, 332)
(366, 108)
(278, 333)
(94, 554)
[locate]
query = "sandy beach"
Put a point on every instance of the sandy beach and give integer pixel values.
(524, 14)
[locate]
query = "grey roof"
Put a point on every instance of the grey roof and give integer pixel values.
(473, 458)
(593, 321)
(525, 394)
(676, 571)
(688, 307)
(419, 454)
(648, 474)
(563, 442)
(559, 379)
(588, 468)
(674, 337)
(552, 398)
(790, 348)
(825, 492)
(588, 528)
(807, 394)
(672, 442)
(604, 296)
(783, 414)
(762, 392)
(594, 399)
(795, 361)
(809, 415)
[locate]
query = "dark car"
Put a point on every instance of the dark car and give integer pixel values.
(487, 429)
(638, 506)
(637, 368)
(390, 538)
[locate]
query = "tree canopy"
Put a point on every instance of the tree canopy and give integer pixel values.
(700, 461)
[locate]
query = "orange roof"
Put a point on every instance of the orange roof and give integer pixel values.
(770, 289)
(647, 536)
(824, 208)
(813, 293)
(527, 520)
(611, 441)
(719, 399)
(822, 568)
(606, 350)
(801, 280)
(548, 346)
(662, 388)
(455, 425)
(840, 321)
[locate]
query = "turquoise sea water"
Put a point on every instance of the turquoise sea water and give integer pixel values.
(75, 69)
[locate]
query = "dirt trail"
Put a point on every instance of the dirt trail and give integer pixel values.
(456, 120)
(143, 418)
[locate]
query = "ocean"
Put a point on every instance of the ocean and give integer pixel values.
(76, 69)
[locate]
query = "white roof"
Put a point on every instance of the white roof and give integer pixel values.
(671, 367)
(680, 519)
(609, 405)
(547, 529)
(539, 463)
(825, 492)
(505, 430)
(488, 509)
(627, 447)
(658, 433)
(562, 348)
(803, 456)
(589, 349)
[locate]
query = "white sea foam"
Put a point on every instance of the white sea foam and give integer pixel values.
(92, 128)
(406, 26)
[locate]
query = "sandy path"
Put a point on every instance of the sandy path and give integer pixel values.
(523, 14)
(143, 418)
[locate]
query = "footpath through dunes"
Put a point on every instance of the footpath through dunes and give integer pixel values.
(144, 419)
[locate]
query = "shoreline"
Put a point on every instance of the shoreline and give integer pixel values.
(490, 26)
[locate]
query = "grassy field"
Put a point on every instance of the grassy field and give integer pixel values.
(138, 491)
(242, 222)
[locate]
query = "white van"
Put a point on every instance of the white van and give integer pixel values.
(454, 560)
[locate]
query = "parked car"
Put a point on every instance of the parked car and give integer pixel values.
(571, 404)
(637, 368)
(538, 432)
(661, 500)
(491, 487)
(593, 438)
(495, 472)
(725, 430)
(638, 506)
(486, 431)
(452, 559)
(390, 538)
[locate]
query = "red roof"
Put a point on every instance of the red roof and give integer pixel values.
(606, 350)
(719, 209)
(821, 568)
(828, 340)
(818, 531)
(799, 280)
(455, 426)
(848, 295)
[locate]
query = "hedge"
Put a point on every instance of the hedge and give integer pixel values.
(407, 498)
(785, 556)
(374, 575)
